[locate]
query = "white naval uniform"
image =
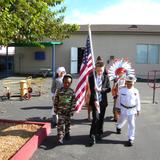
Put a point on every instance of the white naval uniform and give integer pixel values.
(128, 98)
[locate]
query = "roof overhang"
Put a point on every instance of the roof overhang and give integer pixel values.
(121, 29)
(46, 44)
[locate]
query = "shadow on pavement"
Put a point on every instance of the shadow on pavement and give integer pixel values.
(87, 122)
(51, 141)
(37, 107)
(109, 119)
(108, 141)
(80, 121)
(107, 133)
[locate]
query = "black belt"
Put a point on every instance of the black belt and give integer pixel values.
(127, 106)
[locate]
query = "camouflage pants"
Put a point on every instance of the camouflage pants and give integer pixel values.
(63, 121)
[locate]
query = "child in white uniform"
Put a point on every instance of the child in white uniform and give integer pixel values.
(129, 104)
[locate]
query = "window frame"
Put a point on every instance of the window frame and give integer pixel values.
(147, 54)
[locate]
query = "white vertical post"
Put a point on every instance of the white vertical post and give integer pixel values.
(93, 62)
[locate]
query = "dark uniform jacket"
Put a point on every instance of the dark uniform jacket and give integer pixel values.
(105, 89)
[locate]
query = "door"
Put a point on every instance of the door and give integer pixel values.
(80, 57)
(74, 60)
(6, 66)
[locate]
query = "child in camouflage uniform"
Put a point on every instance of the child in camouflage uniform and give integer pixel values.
(64, 106)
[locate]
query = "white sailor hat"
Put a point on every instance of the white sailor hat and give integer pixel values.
(60, 69)
(131, 78)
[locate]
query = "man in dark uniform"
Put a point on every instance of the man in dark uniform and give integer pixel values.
(98, 101)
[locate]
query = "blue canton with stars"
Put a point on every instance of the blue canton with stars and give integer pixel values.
(87, 51)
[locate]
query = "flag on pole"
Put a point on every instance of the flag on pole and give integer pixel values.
(85, 70)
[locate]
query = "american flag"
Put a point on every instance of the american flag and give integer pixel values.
(85, 70)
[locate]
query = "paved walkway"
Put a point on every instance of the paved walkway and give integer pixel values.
(112, 147)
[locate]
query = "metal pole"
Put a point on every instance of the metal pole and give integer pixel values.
(6, 60)
(53, 61)
(93, 62)
(154, 87)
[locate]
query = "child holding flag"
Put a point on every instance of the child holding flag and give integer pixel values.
(98, 101)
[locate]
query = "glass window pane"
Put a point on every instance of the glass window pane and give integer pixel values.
(141, 54)
(153, 57)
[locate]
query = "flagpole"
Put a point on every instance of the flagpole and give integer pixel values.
(93, 62)
(90, 38)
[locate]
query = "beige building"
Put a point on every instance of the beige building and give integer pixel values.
(139, 43)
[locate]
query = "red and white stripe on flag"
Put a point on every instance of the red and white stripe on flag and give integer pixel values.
(85, 70)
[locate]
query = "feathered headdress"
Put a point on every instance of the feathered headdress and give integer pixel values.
(120, 67)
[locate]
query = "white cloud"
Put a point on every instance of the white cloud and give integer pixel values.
(125, 12)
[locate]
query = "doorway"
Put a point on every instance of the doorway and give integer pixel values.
(80, 57)
(76, 59)
(6, 65)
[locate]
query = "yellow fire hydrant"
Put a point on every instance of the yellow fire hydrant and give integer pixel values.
(23, 88)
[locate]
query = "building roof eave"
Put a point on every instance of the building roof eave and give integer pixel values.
(127, 29)
(46, 44)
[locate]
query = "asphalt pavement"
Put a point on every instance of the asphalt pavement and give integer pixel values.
(112, 146)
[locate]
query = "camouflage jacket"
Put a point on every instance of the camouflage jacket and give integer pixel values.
(64, 102)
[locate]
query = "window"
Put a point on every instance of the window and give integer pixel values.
(147, 54)
(153, 55)
(39, 55)
(141, 54)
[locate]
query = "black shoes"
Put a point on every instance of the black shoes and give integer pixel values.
(114, 120)
(99, 137)
(60, 141)
(130, 142)
(118, 130)
(92, 140)
(67, 136)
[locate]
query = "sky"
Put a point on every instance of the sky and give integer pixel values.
(145, 12)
